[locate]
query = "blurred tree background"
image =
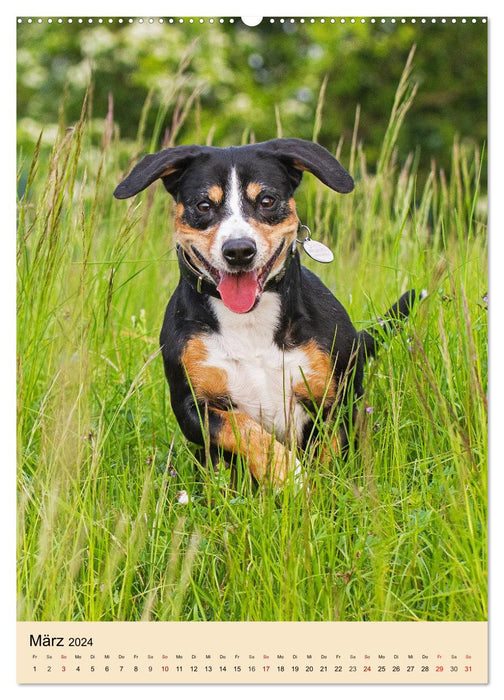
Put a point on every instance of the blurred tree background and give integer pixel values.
(226, 83)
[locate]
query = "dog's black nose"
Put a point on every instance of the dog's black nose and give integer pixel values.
(239, 252)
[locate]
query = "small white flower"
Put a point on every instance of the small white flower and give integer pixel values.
(182, 497)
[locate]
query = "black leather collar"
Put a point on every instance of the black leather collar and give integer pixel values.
(203, 285)
(194, 276)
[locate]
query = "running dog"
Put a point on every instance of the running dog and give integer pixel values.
(255, 347)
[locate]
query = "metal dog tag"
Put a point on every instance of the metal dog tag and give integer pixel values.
(316, 250)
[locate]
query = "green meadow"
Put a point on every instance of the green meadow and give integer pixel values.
(397, 531)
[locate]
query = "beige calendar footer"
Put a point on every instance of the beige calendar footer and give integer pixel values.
(252, 652)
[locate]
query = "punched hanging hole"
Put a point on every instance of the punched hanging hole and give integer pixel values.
(251, 21)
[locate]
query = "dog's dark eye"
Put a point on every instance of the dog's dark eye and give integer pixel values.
(203, 207)
(267, 202)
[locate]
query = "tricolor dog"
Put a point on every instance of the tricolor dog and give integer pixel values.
(254, 345)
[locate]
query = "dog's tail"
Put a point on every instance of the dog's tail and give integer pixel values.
(372, 338)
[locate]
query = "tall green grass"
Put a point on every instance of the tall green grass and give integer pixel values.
(395, 532)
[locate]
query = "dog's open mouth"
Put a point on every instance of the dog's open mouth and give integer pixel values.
(240, 291)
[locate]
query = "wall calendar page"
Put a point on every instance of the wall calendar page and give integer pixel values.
(252, 350)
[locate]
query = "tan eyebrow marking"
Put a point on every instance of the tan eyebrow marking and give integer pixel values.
(253, 189)
(215, 194)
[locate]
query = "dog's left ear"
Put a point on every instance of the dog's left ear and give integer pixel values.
(154, 166)
(306, 155)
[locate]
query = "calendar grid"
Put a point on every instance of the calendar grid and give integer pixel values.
(249, 652)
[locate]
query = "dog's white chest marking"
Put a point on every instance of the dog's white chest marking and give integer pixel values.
(260, 376)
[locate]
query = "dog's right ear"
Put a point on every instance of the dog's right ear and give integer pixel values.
(167, 164)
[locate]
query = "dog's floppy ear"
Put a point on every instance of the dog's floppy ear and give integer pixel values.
(154, 166)
(306, 155)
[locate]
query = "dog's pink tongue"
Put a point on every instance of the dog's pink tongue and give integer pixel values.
(239, 292)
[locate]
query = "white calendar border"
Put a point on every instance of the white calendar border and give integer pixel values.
(258, 8)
